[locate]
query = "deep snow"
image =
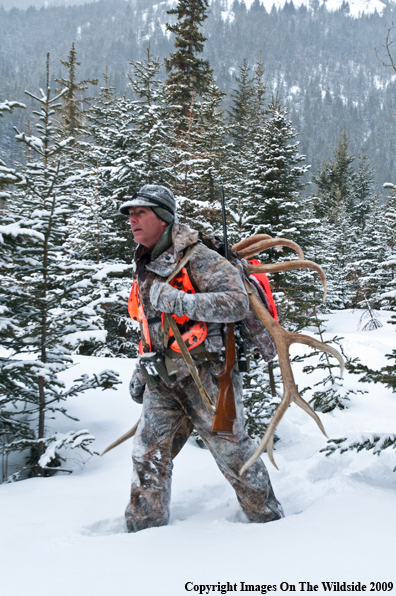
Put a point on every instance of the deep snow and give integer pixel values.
(65, 534)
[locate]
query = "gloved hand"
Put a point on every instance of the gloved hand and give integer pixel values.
(167, 299)
(137, 385)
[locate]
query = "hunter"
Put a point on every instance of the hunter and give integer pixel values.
(205, 295)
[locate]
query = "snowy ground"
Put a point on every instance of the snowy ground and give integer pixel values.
(65, 535)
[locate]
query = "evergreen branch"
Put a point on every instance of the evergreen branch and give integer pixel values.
(375, 442)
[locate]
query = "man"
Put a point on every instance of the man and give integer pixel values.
(207, 294)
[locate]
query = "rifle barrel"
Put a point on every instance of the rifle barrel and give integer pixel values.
(223, 214)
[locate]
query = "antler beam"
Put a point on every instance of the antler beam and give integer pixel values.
(262, 245)
(251, 240)
(288, 266)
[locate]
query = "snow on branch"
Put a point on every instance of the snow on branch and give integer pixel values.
(70, 440)
(15, 230)
(375, 442)
(8, 106)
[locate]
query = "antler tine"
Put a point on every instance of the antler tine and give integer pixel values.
(299, 401)
(267, 442)
(288, 266)
(258, 247)
(318, 345)
(125, 437)
(283, 339)
(251, 240)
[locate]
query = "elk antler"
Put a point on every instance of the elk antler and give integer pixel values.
(125, 437)
(258, 247)
(283, 340)
(251, 240)
(288, 266)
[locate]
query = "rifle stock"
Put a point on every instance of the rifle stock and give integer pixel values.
(225, 415)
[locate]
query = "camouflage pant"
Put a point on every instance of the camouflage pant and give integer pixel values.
(168, 417)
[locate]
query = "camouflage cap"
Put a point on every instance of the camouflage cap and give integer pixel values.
(159, 198)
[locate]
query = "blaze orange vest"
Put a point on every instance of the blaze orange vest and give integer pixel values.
(194, 331)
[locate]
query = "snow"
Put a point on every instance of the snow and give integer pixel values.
(66, 534)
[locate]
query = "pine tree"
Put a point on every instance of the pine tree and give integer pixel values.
(274, 175)
(260, 396)
(99, 236)
(362, 190)
(369, 275)
(246, 117)
(242, 110)
(335, 181)
(149, 119)
(189, 75)
(14, 425)
(330, 392)
(273, 183)
(46, 291)
(341, 241)
(198, 158)
(105, 170)
(72, 111)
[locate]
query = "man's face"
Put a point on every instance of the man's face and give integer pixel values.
(146, 227)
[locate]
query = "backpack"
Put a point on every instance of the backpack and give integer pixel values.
(251, 335)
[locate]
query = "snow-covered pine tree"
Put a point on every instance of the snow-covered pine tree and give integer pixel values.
(150, 120)
(99, 237)
(389, 239)
(14, 423)
(363, 186)
(386, 374)
(341, 242)
(274, 176)
(246, 117)
(274, 179)
(12, 239)
(198, 158)
(47, 291)
(194, 107)
(367, 271)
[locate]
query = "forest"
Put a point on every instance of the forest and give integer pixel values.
(321, 64)
(86, 144)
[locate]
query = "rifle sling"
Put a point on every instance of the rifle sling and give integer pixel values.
(189, 361)
(170, 322)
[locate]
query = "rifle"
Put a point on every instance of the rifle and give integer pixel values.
(225, 409)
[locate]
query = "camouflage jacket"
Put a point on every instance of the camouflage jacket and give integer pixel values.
(220, 297)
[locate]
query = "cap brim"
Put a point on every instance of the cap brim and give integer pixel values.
(124, 209)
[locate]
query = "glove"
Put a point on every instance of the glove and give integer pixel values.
(167, 299)
(137, 385)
